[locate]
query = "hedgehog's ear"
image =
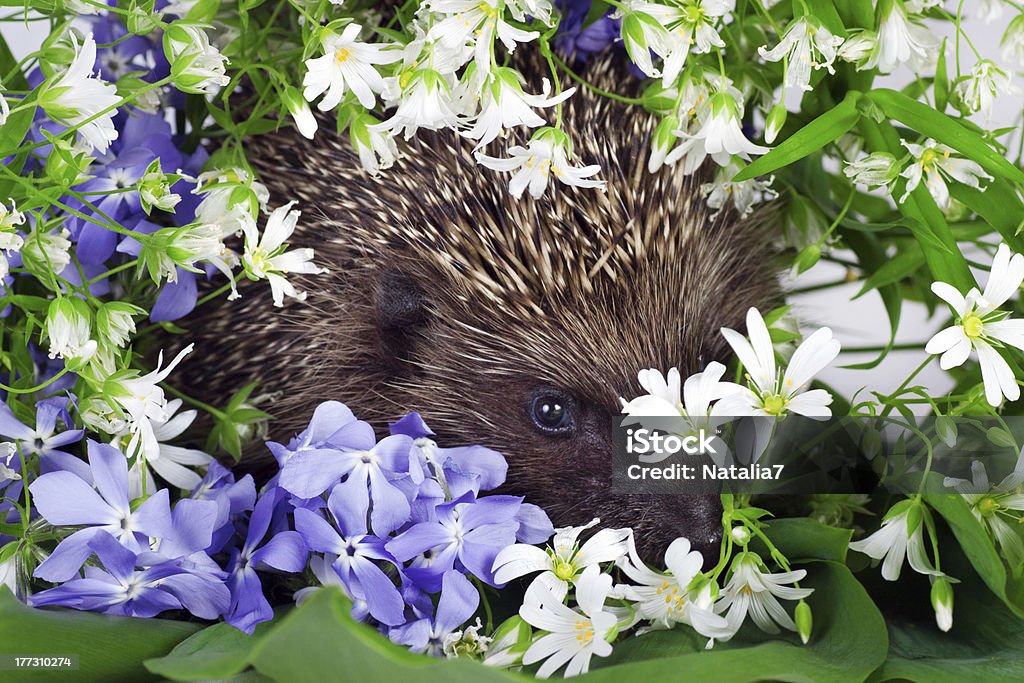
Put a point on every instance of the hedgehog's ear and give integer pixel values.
(401, 316)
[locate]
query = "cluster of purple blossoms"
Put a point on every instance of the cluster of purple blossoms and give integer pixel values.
(392, 521)
(397, 520)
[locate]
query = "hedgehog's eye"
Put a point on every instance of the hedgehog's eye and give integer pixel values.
(551, 413)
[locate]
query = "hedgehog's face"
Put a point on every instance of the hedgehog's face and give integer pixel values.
(545, 392)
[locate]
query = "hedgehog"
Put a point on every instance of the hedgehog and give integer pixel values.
(515, 324)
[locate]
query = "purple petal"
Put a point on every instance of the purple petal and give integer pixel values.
(490, 510)
(284, 551)
(115, 558)
(328, 418)
(390, 506)
(95, 243)
(384, 600)
(534, 525)
(68, 557)
(65, 500)
(411, 425)
(202, 596)
(349, 512)
(109, 473)
(459, 600)
(310, 473)
(489, 465)
(11, 428)
(393, 452)
(153, 517)
(176, 299)
(356, 436)
(418, 539)
(415, 635)
(248, 605)
(318, 534)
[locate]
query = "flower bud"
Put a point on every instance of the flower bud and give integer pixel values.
(66, 164)
(46, 252)
(662, 142)
(196, 66)
(804, 621)
(945, 429)
(141, 19)
(807, 258)
(942, 602)
(510, 640)
(131, 83)
(298, 107)
(68, 325)
(776, 120)
(875, 170)
(114, 321)
(1000, 437)
(376, 148)
(740, 535)
(155, 189)
(857, 49)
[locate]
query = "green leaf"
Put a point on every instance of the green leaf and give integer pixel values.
(892, 271)
(986, 642)
(803, 538)
(823, 130)
(825, 12)
(872, 257)
(847, 644)
(999, 205)
(8, 64)
(319, 639)
(941, 82)
(216, 652)
(947, 130)
(977, 545)
(108, 648)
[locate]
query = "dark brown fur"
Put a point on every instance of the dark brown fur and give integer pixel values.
(449, 297)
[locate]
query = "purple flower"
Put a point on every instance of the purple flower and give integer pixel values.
(65, 499)
(372, 473)
(233, 498)
(356, 552)
(467, 534)
(284, 551)
(50, 433)
(467, 468)
(121, 589)
(579, 42)
(458, 602)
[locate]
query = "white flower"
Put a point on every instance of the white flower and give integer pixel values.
(75, 96)
(879, 169)
(720, 136)
(934, 162)
(142, 401)
(981, 326)
(299, 109)
(573, 636)
(265, 257)
(425, 102)
(164, 251)
(505, 105)
(10, 240)
(674, 32)
(172, 463)
(68, 326)
(227, 195)
(562, 562)
(902, 41)
(476, 22)
(896, 541)
(769, 391)
(751, 590)
(347, 64)
(667, 599)
(49, 250)
(668, 397)
(115, 323)
(997, 506)
(547, 154)
(858, 48)
(1011, 47)
(196, 65)
(743, 195)
(942, 603)
(991, 10)
(986, 82)
(5, 109)
(376, 148)
(807, 46)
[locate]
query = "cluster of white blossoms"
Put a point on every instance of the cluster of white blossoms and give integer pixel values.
(769, 390)
(447, 77)
(580, 610)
